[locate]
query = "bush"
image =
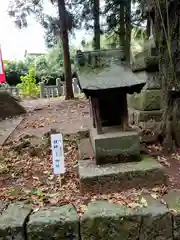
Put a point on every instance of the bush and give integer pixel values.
(28, 87)
(13, 70)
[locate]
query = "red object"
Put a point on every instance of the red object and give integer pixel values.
(2, 72)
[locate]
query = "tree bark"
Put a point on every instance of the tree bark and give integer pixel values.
(167, 23)
(97, 31)
(122, 26)
(128, 31)
(65, 43)
(148, 27)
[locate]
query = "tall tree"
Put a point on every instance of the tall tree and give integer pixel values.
(65, 25)
(89, 15)
(121, 19)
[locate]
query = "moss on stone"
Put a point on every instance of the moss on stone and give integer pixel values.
(147, 100)
(172, 198)
(12, 221)
(156, 223)
(109, 221)
(115, 146)
(144, 116)
(112, 177)
(104, 220)
(54, 223)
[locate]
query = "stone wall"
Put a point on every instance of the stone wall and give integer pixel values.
(102, 220)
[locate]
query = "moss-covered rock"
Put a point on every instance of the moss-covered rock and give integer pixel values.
(54, 223)
(156, 223)
(147, 100)
(109, 221)
(104, 220)
(149, 64)
(144, 116)
(173, 201)
(13, 220)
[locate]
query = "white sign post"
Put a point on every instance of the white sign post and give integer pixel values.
(57, 154)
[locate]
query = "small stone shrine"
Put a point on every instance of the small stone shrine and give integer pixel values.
(115, 144)
(111, 137)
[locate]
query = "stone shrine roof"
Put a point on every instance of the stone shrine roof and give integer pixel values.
(116, 76)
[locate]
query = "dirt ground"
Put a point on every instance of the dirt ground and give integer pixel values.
(28, 176)
(44, 114)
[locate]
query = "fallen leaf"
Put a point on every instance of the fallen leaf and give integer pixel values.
(143, 202)
(83, 208)
(164, 161)
(133, 205)
(154, 195)
(163, 201)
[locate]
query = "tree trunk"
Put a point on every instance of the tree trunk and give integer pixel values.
(148, 27)
(65, 43)
(122, 27)
(97, 31)
(167, 23)
(128, 31)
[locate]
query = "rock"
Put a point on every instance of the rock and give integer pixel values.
(13, 220)
(54, 223)
(153, 81)
(156, 223)
(109, 221)
(147, 100)
(3, 206)
(144, 116)
(173, 202)
(145, 63)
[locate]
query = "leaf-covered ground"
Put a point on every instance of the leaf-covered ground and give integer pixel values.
(26, 165)
(26, 175)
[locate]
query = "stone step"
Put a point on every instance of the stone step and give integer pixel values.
(117, 177)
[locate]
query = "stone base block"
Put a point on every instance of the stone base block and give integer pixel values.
(112, 221)
(172, 199)
(54, 223)
(114, 146)
(137, 116)
(146, 100)
(117, 177)
(13, 220)
(85, 149)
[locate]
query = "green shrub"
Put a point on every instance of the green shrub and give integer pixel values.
(28, 87)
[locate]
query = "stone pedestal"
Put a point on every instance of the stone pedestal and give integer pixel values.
(114, 145)
(110, 178)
